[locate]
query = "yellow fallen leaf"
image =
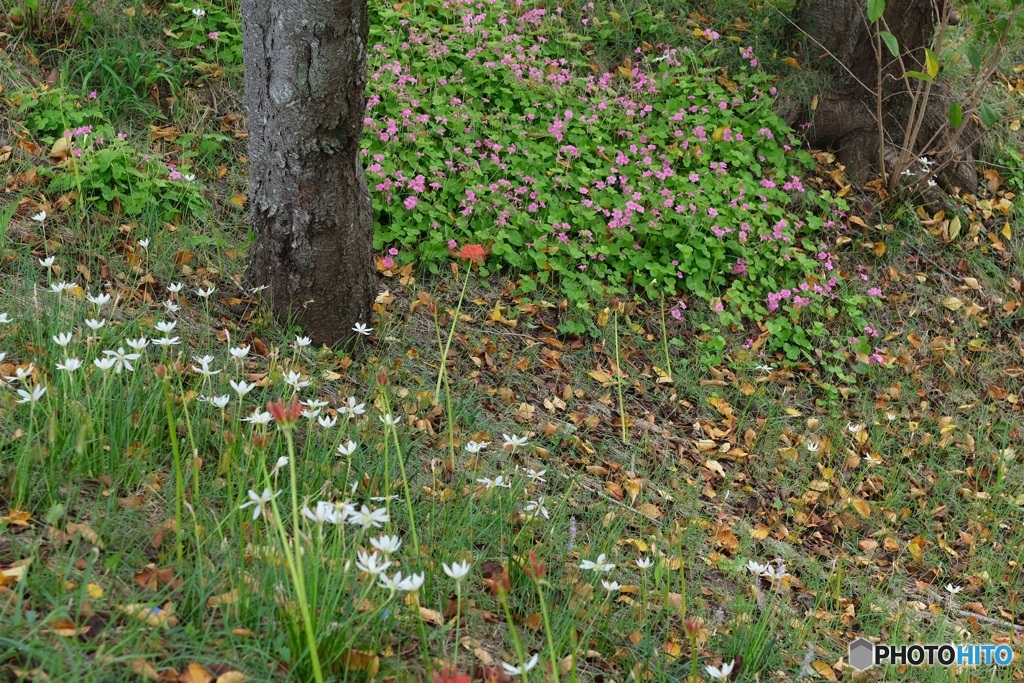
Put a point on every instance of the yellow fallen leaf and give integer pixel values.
(94, 591)
(431, 616)
(824, 670)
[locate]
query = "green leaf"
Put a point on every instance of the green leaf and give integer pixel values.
(955, 115)
(974, 56)
(876, 8)
(891, 43)
(922, 76)
(988, 115)
(931, 63)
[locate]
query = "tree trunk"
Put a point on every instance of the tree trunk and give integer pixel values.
(305, 80)
(846, 118)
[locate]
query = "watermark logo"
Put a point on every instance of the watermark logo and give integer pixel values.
(863, 654)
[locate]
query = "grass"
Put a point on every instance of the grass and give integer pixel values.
(128, 543)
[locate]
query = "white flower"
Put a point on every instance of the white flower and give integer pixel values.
(205, 370)
(310, 414)
(512, 440)
(58, 287)
(258, 418)
(601, 564)
(258, 289)
(891, 416)
(351, 407)
(953, 590)
(371, 564)
(756, 568)
(167, 341)
(93, 324)
(294, 380)
(48, 261)
(388, 545)
(392, 584)
(517, 670)
(457, 570)
(241, 352)
(610, 586)
(536, 507)
(219, 401)
(259, 501)
(197, 12)
(534, 475)
(315, 403)
(104, 364)
(367, 518)
(5, 319)
(69, 365)
(644, 562)
(932, 183)
(281, 463)
(205, 293)
(188, 177)
(122, 360)
(241, 388)
(474, 447)
(347, 448)
(362, 329)
(498, 481)
(99, 299)
(301, 342)
(137, 344)
(723, 673)
(325, 512)
(171, 306)
(813, 446)
(39, 217)
(327, 421)
(853, 428)
(62, 339)
(775, 575)
(21, 374)
(390, 420)
(764, 368)
(411, 582)
(144, 244)
(33, 396)
(175, 287)
(165, 326)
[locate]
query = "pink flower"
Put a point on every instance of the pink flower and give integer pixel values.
(875, 291)
(93, 95)
(213, 35)
(410, 203)
(175, 175)
(452, 244)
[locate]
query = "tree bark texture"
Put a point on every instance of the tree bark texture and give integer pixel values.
(845, 119)
(305, 82)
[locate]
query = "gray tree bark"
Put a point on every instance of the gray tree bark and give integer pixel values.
(845, 119)
(305, 81)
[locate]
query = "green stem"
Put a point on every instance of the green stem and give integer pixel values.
(664, 339)
(294, 560)
(451, 334)
(405, 479)
(179, 480)
(618, 382)
(547, 629)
